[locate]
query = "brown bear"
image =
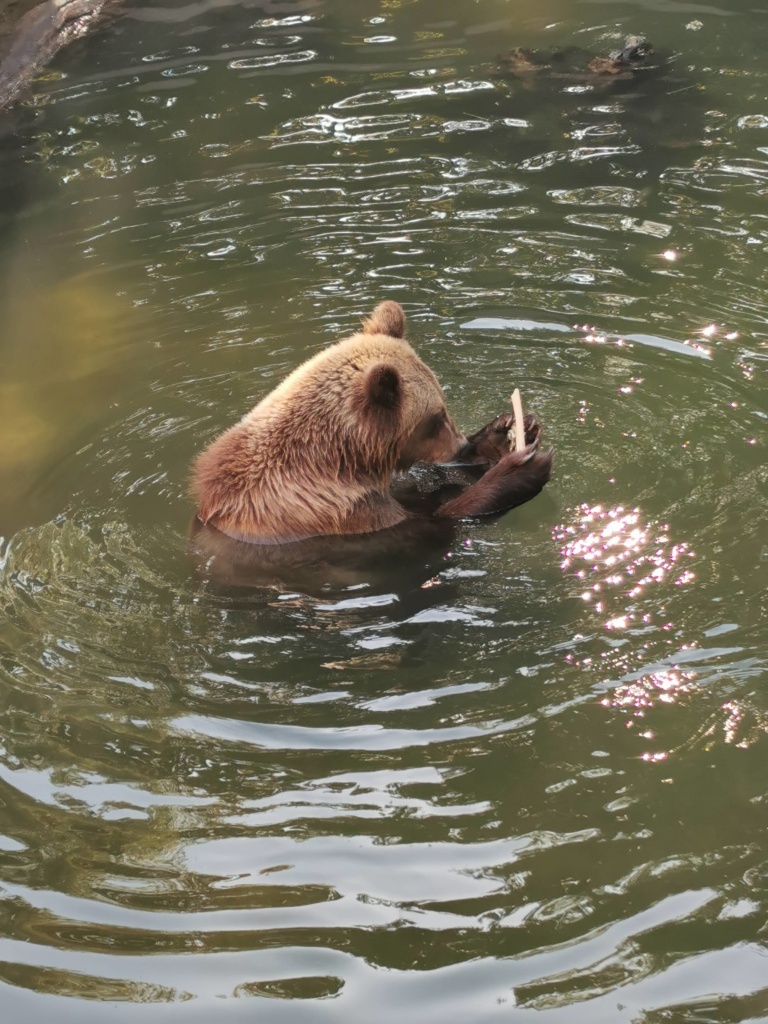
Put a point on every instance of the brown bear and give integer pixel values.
(317, 456)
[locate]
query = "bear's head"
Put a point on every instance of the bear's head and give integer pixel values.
(398, 396)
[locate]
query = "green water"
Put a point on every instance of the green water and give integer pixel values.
(524, 780)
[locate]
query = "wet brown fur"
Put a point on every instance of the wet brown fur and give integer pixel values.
(317, 455)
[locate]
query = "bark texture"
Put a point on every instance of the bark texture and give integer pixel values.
(30, 35)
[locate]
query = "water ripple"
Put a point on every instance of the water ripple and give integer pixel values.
(521, 774)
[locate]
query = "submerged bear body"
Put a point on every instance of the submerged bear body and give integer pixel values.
(316, 457)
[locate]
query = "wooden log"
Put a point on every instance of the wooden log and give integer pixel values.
(37, 36)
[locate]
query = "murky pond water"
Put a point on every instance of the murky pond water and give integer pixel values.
(528, 776)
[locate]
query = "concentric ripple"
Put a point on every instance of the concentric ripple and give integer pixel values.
(522, 773)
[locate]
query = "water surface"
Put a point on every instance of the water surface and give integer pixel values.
(524, 775)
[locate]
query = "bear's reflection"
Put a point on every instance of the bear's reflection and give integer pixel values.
(411, 552)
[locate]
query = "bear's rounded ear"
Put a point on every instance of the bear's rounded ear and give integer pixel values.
(383, 388)
(388, 318)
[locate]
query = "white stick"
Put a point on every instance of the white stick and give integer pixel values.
(519, 428)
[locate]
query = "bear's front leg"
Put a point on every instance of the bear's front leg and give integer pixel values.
(514, 479)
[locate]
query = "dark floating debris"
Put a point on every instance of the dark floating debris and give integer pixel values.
(572, 64)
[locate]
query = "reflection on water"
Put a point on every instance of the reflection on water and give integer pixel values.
(610, 549)
(520, 769)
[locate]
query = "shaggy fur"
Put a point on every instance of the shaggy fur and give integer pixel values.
(316, 456)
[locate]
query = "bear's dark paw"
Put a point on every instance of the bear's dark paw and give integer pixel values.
(491, 443)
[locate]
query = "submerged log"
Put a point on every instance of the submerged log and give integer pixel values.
(32, 39)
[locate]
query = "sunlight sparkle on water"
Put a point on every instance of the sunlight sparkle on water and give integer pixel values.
(710, 331)
(616, 556)
(665, 686)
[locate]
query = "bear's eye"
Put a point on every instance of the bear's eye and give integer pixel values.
(432, 426)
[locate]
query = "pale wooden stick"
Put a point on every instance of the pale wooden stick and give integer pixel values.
(519, 428)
